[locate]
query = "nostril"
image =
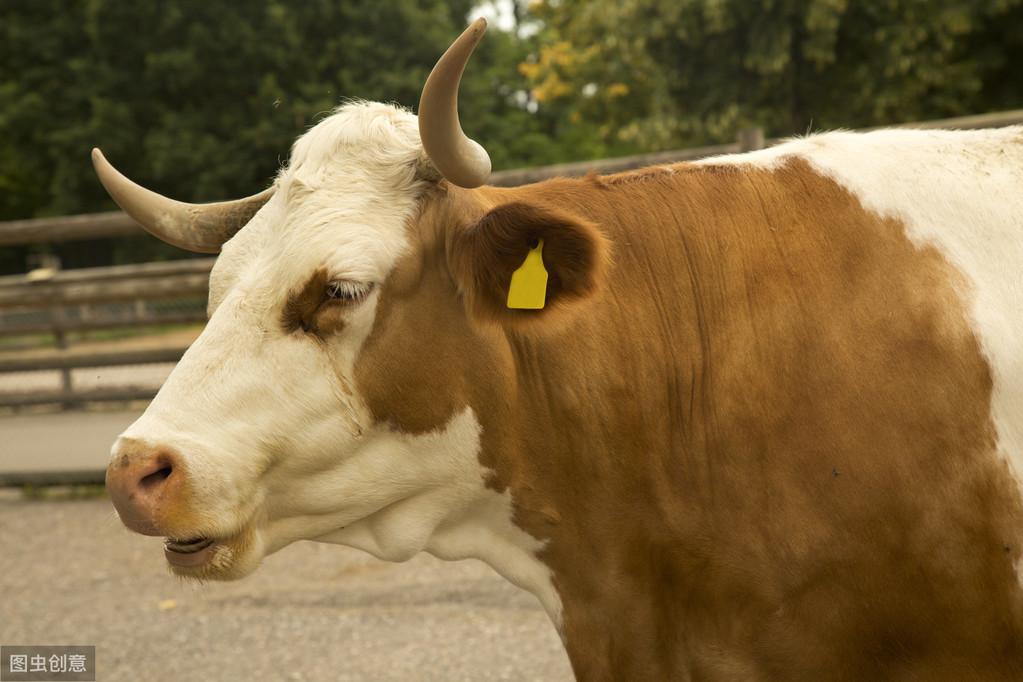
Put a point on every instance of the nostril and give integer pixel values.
(143, 480)
(155, 478)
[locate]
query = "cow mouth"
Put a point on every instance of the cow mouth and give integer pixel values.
(190, 552)
(213, 555)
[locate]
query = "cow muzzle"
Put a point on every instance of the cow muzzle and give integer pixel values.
(146, 485)
(153, 493)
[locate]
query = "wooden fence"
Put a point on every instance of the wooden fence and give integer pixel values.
(62, 292)
(59, 303)
(145, 281)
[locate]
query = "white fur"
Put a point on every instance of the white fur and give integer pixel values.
(961, 192)
(275, 438)
(452, 514)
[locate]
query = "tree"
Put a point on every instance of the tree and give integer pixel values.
(668, 73)
(202, 100)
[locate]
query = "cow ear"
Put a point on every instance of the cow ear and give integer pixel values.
(484, 256)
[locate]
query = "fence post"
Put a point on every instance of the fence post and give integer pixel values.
(750, 139)
(46, 266)
(141, 310)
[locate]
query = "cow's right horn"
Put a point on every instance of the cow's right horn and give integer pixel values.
(195, 227)
(460, 160)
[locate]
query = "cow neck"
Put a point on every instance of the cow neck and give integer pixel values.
(689, 446)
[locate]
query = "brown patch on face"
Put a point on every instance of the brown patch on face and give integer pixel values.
(424, 361)
(309, 310)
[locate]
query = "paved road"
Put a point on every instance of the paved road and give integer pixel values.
(70, 574)
(60, 440)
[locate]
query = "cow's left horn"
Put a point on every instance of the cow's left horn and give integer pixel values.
(462, 161)
(195, 227)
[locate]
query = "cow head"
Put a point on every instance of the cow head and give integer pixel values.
(356, 362)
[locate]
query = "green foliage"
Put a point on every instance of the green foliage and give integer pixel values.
(198, 100)
(667, 73)
(201, 100)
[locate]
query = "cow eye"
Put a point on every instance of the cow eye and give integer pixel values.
(346, 291)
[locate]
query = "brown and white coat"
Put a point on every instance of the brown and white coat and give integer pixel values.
(770, 425)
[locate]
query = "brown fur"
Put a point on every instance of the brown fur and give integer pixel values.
(764, 453)
(309, 310)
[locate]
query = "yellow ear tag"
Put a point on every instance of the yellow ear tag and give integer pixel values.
(528, 290)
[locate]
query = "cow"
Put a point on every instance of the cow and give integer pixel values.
(766, 425)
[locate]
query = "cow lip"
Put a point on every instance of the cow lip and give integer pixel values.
(191, 554)
(189, 546)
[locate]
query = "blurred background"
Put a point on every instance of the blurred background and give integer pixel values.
(201, 101)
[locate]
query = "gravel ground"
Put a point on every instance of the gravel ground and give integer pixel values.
(70, 574)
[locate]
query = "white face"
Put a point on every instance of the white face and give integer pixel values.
(267, 421)
(265, 417)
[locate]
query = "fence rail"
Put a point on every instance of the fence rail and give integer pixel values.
(191, 266)
(76, 397)
(68, 228)
(49, 294)
(60, 292)
(76, 360)
(12, 479)
(513, 178)
(60, 302)
(996, 119)
(58, 324)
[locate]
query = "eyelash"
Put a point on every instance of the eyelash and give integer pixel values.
(346, 291)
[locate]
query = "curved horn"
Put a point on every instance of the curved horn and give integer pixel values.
(195, 227)
(461, 160)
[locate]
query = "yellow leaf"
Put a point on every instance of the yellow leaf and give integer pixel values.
(617, 90)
